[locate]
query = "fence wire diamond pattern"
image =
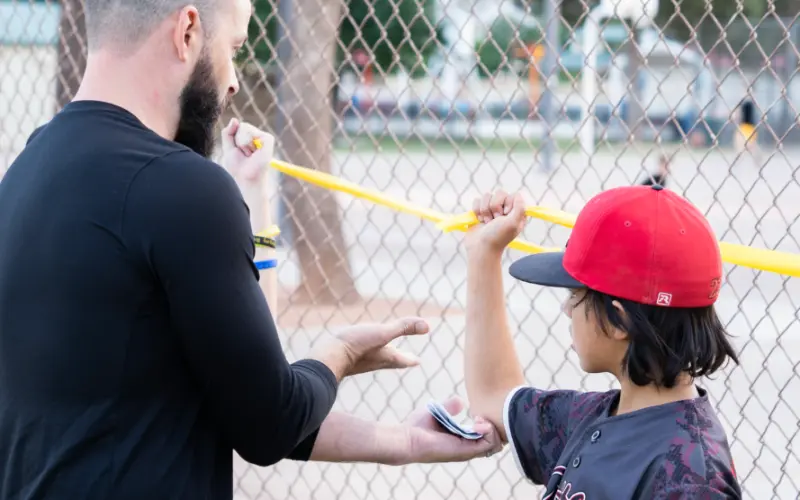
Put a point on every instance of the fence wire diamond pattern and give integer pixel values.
(437, 101)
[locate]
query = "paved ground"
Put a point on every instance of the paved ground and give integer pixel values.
(399, 257)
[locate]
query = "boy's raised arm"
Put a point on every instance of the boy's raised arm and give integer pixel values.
(492, 368)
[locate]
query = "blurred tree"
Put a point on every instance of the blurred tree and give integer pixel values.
(680, 19)
(397, 32)
(306, 139)
(497, 50)
(263, 30)
(703, 18)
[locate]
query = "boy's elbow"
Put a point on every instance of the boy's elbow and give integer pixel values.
(489, 404)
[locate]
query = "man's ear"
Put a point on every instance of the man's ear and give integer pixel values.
(616, 333)
(187, 36)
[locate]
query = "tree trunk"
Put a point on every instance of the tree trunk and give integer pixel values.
(71, 51)
(306, 140)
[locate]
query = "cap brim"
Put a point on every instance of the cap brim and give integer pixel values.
(545, 269)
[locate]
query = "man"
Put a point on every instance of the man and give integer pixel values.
(137, 352)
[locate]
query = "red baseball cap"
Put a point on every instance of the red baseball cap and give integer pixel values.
(646, 244)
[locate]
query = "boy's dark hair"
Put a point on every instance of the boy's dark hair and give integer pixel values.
(664, 342)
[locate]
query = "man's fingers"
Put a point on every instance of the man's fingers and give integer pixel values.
(229, 132)
(403, 328)
(370, 347)
(459, 449)
(491, 440)
(245, 134)
(396, 359)
(454, 405)
(231, 128)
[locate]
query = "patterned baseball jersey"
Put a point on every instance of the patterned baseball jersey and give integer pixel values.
(567, 441)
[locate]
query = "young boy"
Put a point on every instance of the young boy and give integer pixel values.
(643, 271)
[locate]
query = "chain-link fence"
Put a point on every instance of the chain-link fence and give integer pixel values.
(436, 101)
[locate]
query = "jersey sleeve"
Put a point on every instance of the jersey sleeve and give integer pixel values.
(537, 424)
(187, 223)
(692, 492)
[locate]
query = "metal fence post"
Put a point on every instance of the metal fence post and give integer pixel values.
(283, 53)
(635, 110)
(789, 72)
(551, 75)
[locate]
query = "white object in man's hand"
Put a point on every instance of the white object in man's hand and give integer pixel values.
(419, 439)
(440, 413)
(429, 442)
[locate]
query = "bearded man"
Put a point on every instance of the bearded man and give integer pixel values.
(137, 351)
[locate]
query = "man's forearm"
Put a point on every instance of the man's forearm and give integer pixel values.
(346, 438)
(260, 219)
(492, 368)
(269, 277)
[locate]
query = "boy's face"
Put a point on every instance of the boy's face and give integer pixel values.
(597, 351)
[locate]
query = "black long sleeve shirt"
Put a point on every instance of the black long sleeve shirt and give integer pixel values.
(137, 351)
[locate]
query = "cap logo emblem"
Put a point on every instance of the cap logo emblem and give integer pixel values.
(716, 283)
(664, 299)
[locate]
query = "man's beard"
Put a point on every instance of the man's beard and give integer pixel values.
(200, 110)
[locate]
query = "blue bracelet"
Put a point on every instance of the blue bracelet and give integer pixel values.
(266, 264)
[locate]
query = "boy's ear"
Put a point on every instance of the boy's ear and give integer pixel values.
(618, 334)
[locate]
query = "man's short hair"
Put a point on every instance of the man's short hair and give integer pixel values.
(129, 22)
(664, 342)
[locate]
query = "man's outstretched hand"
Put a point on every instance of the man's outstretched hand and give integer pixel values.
(365, 348)
(428, 442)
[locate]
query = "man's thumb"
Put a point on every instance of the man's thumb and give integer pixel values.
(406, 327)
(229, 132)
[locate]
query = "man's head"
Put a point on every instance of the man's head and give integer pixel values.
(644, 270)
(183, 53)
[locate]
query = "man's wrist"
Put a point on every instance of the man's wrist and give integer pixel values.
(394, 445)
(336, 356)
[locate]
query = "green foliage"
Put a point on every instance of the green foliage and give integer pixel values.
(691, 18)
(496, 51)
(263, 30)
(383, 27)
(402, 32)
(386, 27)
(681, 18)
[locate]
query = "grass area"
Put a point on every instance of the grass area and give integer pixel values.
(386, 143)
(416, 144)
